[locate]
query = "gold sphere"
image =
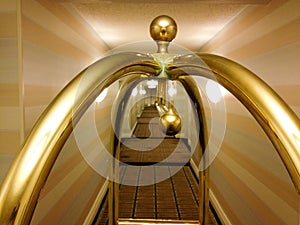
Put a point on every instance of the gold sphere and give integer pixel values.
(163, 28)
(171, 122)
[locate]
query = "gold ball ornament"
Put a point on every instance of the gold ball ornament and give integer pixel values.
(163, 28)
(171, 123)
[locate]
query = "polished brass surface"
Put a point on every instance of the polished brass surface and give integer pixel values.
(122, 99)
(150, 221)
(20, 189)
(169, 118)
(194, 93)
(279, 122)
(171, 121)
(163, 28)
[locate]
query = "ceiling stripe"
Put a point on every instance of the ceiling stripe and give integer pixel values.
(243, 21)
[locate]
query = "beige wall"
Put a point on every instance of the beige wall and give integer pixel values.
(40, 54)
(11, 84)
(54, 51)
(56, 47)
(248, 177)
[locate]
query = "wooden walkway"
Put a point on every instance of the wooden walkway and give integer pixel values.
(175, 197)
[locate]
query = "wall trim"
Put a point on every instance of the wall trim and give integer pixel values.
(218, 208)
(214, 201)
(95, 207)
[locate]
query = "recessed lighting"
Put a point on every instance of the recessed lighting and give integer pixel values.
(134, 91)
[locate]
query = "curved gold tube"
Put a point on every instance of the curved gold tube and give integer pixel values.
(169, 118)
(194, 93)
(170, 121)
(122, 99)
(29, 171)
(279, 122)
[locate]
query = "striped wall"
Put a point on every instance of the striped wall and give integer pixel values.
(11, 85)
(40, 52)
(42, 47)
(57, 45)
(247, 177)
(74, 182)
(70, 191)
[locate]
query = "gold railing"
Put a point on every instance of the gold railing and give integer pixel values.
(276, 118)
(30, 169)
(21, 187)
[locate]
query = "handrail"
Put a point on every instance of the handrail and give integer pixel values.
(122, 98)
(276, 118)
(195, 95)
(20, 189)
(130, 221)
(22, 185)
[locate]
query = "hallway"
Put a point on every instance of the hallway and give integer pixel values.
(173, 198)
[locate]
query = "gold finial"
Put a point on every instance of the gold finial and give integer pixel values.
(163, 28)
(171, 122)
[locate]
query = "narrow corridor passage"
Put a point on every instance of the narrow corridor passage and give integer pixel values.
(163, 185)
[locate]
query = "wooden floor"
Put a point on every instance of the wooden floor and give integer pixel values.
(173, 198)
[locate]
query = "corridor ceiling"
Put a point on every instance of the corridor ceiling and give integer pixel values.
(117, 22)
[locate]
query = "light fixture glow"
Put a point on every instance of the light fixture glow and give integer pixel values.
(102, 96)
(134, 91)
(163, 23)
(172, 90)
(214, 91)
(142, 91)
(152, 83)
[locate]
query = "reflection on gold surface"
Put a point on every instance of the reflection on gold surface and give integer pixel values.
(151, 221)
(195, 95)
(171, 121)
(28, 173)
(163, 28)
(277, 119)
(20, 189)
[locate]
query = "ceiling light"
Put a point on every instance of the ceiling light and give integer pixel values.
(142, 91)
(134, 91)
(152, 83)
